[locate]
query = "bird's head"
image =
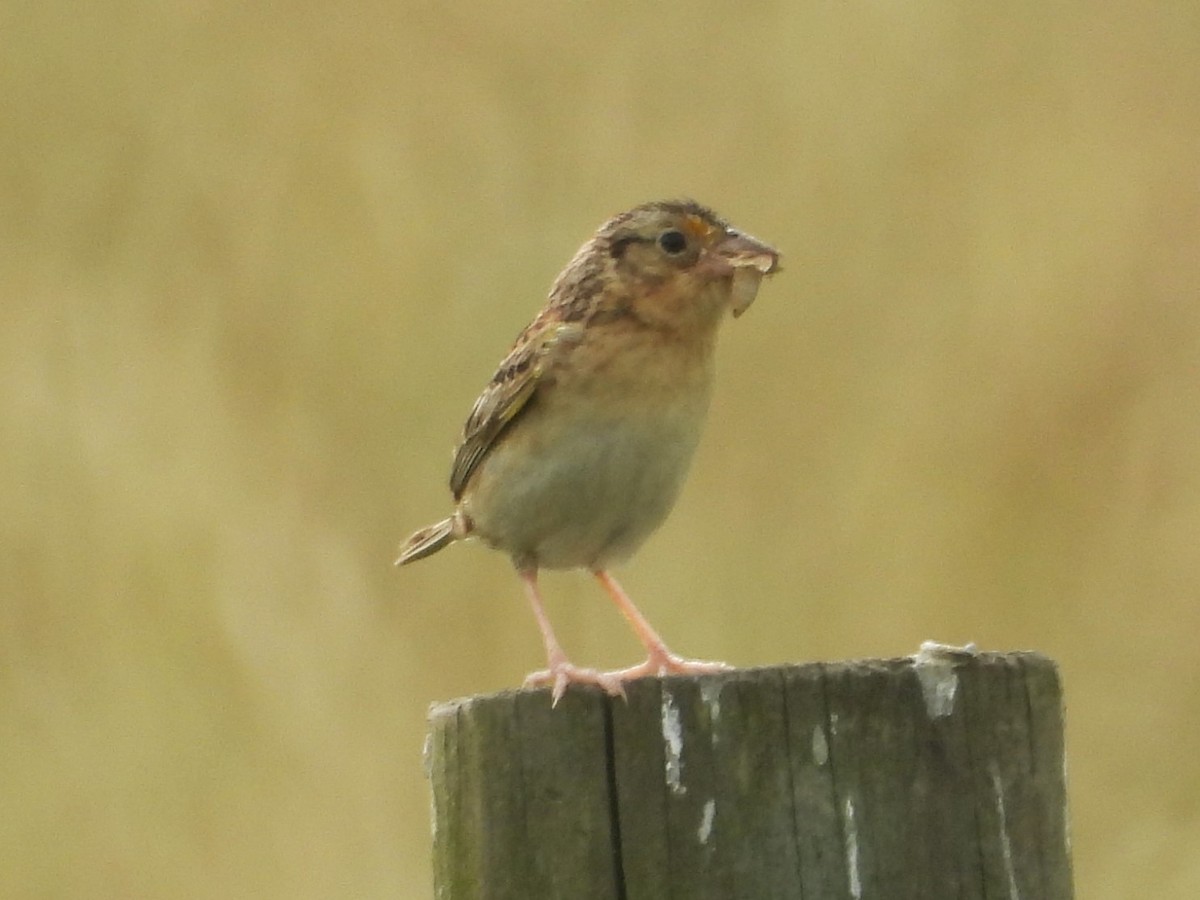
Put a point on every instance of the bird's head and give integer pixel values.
(674, 253)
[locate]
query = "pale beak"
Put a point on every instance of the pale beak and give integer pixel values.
(747, 260)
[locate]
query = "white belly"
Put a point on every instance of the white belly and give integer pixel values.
(586, 492)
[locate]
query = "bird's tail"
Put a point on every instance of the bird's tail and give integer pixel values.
(428, 540)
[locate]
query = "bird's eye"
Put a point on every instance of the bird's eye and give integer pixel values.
(672, 242)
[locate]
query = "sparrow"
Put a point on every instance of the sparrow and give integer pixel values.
(576, 450)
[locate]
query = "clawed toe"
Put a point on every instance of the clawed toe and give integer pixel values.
(562, 673)
(667, 663)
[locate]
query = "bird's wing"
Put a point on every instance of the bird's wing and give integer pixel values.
(515, 381)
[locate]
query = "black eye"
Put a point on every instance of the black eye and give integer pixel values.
(672, 242)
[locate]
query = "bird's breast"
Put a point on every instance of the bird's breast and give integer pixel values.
(595, 462)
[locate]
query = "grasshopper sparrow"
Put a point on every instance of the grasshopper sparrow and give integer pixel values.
(576, 450)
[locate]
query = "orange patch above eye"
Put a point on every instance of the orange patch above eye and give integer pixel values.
(697, 227)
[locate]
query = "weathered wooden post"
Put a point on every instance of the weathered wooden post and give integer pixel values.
(934, 776)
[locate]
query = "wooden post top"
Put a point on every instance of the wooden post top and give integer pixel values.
(930, 776)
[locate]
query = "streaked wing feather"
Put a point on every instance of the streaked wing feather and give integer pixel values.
(514, 383)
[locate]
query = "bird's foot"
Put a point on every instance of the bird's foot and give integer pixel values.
(563, 672)
(664, 662)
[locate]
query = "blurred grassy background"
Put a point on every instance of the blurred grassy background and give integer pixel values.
(258, 260)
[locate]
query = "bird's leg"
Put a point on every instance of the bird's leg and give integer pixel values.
(560, 671)
(660, 660)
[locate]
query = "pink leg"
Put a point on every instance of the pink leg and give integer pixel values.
(560, 671)
(660, 660)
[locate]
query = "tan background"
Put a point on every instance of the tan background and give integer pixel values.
(255, 264)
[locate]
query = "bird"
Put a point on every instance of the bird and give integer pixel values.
(576, 450)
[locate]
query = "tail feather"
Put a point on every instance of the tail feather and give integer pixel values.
(426, 541)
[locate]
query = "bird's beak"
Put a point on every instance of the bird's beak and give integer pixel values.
(746, 259)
